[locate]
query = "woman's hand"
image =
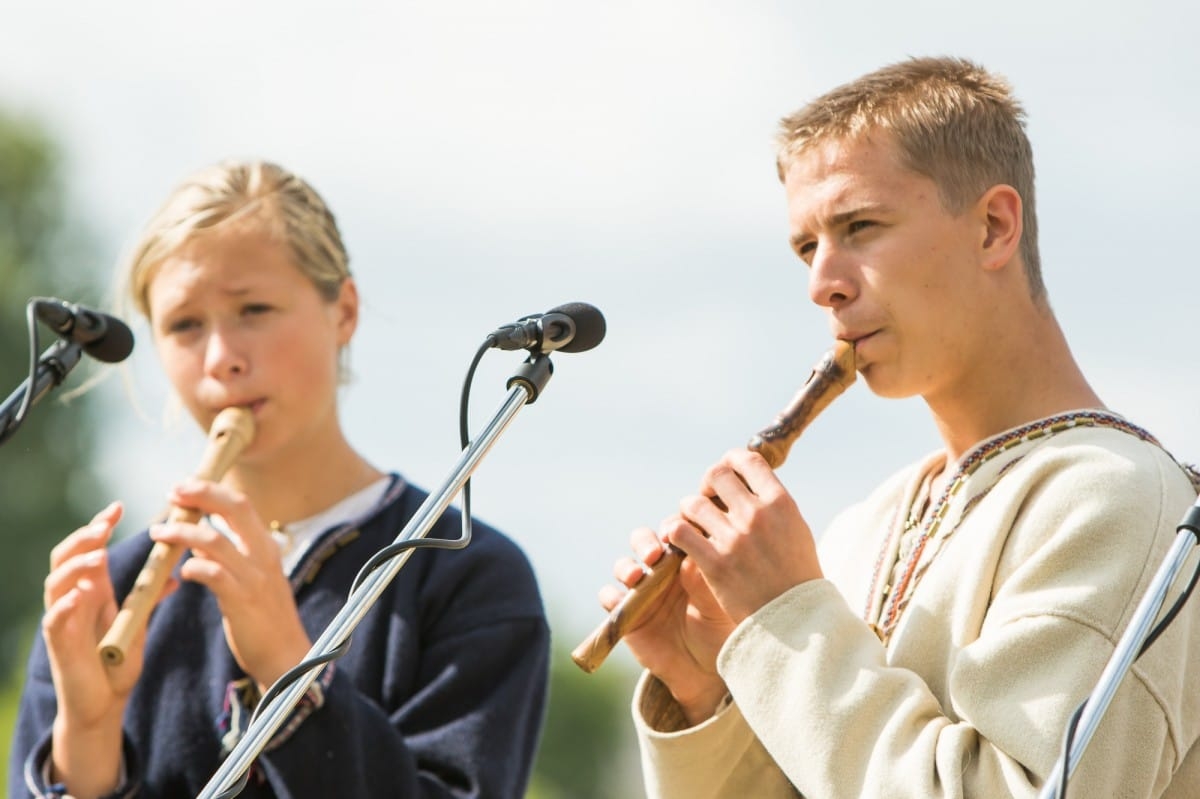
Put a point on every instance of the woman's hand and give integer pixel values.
(80, 607)
(244, 572)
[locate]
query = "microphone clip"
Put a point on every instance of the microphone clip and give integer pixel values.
(539, 332)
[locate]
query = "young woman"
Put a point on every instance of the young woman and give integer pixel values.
(244, 280)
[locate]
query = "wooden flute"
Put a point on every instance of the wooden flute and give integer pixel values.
(230, 433)
(832, 375)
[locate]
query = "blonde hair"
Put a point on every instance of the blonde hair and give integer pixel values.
(952, 121)
(237, 192)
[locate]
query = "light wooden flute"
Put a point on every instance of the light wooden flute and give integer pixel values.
(832, 375)
(231, 432)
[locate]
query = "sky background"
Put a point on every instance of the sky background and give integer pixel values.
(490, 160)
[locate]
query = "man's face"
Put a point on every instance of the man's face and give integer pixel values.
(896, 271)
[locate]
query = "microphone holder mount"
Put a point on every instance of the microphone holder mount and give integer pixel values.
(53, 366)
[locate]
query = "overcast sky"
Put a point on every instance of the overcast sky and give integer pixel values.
(490, 160)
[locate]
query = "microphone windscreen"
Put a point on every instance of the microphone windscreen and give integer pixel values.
(115, 345)
(589, 325)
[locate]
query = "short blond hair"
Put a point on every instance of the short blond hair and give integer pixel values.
(236, 192)
(952, 121)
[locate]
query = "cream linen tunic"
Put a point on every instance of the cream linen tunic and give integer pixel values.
(1022, 601)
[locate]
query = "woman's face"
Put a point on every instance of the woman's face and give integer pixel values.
(236, 323)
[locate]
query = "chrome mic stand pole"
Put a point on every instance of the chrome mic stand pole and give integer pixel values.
(1127, 650)
(524, 389)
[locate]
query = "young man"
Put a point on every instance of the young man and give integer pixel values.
(952, 621)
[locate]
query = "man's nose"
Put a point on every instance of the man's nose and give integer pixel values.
(830, 282)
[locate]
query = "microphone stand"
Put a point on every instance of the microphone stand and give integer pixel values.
(52, 368)
(1127, 650)
(524, 388)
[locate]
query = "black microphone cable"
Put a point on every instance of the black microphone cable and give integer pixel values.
(27, 400)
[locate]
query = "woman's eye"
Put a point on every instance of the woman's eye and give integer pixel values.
(182, 325)
(256, 308)
(859, 224)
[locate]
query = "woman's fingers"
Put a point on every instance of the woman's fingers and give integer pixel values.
(251, 534)
(85, 573)
(93, 535)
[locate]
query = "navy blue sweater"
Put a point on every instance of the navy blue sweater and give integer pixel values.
(442, 691)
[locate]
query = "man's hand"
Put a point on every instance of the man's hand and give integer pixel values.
(754, 548)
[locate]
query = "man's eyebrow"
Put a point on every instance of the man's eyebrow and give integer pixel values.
(840, 218)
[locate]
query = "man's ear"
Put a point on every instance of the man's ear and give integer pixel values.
(1000, 209)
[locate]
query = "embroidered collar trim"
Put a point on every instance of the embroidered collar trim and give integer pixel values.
(914, 567)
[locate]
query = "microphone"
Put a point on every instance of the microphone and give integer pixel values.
(573, 327)
(105, 338)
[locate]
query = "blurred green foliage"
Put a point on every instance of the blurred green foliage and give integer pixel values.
(47, 484)
(587, 750)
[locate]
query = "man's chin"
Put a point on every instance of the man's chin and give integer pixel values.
(885, 385)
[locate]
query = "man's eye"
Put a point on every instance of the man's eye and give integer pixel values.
(859, 224)
(256, 308)
(806, 250)
(182, 325)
